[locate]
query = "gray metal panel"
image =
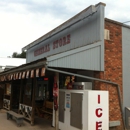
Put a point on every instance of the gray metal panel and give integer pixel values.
(76, 110)
(89, 30)
(127, 118)
(61, 106)
(126, 65)
(87, 57)
(114, 123)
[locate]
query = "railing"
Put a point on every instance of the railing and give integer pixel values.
(25, 110)
(6, 104)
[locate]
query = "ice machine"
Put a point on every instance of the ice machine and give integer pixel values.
(83, 109)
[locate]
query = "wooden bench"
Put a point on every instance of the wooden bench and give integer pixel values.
(18, 118)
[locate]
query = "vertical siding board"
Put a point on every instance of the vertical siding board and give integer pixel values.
(126, 65)
(88, 31)
(88, 59)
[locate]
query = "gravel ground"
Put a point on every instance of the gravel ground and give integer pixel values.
(40, 124)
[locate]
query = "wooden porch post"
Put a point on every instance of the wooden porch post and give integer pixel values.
(11, 95)
(21, 91)
(33, 100)
(57, 112)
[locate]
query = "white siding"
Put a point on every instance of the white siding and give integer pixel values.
(12, 61)
(85, 28)
(87, 57)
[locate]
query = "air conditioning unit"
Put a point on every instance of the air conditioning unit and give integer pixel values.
(106, 34)
(82, 85)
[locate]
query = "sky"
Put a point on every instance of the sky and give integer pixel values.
(23, 21)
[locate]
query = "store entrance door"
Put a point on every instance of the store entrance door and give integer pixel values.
(1, 97)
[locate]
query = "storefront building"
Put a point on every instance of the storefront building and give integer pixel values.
(86, 48)
(8, 63)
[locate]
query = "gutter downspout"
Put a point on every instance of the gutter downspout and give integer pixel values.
(96, 79)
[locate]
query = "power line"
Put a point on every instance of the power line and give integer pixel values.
(126, 22)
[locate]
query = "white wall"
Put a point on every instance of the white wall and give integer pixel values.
(12, 61)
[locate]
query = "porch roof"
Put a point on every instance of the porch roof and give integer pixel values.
(14, 73)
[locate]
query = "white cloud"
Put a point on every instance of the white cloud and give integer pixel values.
(23, 21)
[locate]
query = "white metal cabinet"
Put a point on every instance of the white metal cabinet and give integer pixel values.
(83, 109)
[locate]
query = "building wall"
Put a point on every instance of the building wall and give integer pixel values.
(113, 69)
(89, 57)
(126, 66)
(83, 29)
(12, 62)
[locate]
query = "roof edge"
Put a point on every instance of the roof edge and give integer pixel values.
(118, 23)
(60, 26)
(100, 3)
(113, 21)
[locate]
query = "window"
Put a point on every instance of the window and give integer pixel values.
(8, 89)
